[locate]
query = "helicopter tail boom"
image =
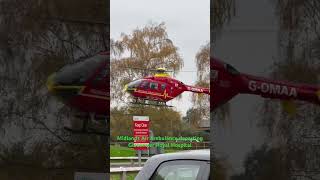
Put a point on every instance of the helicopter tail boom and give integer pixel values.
(197, 89)
(281, 89)
(226, 82)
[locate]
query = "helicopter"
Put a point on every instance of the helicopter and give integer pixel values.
(84, 86)
(227, 82)
(159, 88)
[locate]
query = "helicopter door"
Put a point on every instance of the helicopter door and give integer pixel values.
(163, 87)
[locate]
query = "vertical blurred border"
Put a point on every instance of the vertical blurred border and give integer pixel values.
(37, 38)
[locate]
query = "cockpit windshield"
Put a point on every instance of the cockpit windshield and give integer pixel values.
(135, 84)
(77, 74)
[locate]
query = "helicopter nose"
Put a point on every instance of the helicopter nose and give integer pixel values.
(125, 88)
(62, 92)
(128, 88)
(50, 83)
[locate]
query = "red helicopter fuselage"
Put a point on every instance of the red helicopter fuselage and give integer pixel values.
(160, 88)
(227, 82)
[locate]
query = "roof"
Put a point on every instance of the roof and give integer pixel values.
(152, 164)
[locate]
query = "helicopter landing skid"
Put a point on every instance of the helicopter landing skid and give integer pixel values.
(150, 103)
(90, 125)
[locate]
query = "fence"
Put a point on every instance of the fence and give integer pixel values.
(123, 171)
(132, 159)
(195, 145)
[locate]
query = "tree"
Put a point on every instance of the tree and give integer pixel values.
(265, 163)
(191, 117)
(222, 12)
(163, 121)
(200, 101)
(146, 48)
(221, 168)
(298, 36)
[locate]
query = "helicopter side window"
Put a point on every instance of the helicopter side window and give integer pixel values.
(232, 70)
(154, 86)
(163, 87)
(134, 84)
(145, 85)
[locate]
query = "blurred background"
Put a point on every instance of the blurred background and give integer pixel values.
(38, 38)
(255, 138)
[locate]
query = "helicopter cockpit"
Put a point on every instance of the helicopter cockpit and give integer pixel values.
(218, 65)
(78, 73)
(134, 84)
(145, 85)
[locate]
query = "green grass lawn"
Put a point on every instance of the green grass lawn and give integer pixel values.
(130, 176)
(118, 151)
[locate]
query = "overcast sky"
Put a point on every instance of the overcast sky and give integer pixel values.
(188, 26)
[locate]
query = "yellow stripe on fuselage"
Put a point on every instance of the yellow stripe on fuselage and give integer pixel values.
(81, 89)
(95, 96)
(67, 87)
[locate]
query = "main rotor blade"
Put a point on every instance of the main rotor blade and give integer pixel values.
(144, 69)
